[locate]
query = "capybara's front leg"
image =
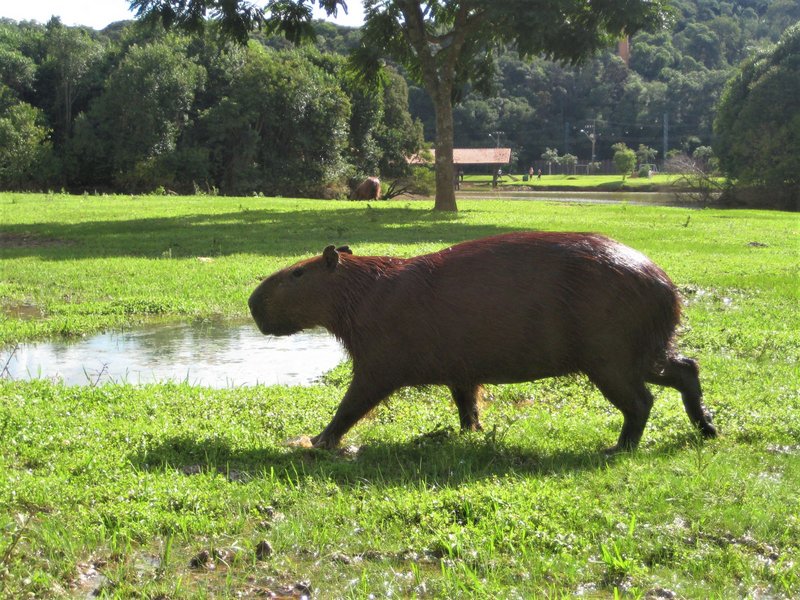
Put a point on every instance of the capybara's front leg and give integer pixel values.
(357, 402)
(634, 400)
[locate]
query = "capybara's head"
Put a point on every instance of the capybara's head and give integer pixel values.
(297, 297)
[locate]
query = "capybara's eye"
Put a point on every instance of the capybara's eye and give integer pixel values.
(298, 272)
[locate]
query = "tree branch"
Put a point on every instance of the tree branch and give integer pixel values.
(415, 33)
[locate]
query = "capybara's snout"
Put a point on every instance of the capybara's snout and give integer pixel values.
(270, 316)
(257, 310)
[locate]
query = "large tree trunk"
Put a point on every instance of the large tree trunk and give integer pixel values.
(438, 70)
(445, 190)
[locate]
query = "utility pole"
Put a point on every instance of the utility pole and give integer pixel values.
(566, 137)
(495, 135)
(666, 136)
(590, 131)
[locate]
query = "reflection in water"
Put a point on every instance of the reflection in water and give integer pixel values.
(208, 354)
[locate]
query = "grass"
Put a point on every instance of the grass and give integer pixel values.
(175, 491)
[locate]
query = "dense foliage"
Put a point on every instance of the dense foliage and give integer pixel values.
(669, 89)
(624, 159)
(443, 45)
(133, 109)
(758, 124)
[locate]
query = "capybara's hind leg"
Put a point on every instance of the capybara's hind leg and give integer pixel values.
(357, 402)
(466, 399)
(634, 400)
(683, 375)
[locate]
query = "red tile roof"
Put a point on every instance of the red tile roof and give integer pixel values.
(470, 156)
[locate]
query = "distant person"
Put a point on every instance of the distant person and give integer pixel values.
(539, 174)
(530, 172)
(461, 175)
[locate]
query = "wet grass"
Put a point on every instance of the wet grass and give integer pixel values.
(175, 491)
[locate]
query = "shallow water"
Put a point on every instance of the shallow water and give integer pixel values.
(208, 354)
(582, 197)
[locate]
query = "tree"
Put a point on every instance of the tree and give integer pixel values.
(550, 156)
(284, 117)
(650, 54)
(624, 159)
(24, 147)
(700, 42)
(134, 126)
(758, 122)
(303, 146)
(569, 162)
(381, 131)
(704, 158)
(17, 71)
(69, 56)
(448, 45)
(398, 135)
(782, 14)
(646, 155)
(445, 45)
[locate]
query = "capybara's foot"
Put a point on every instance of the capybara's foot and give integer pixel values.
(324, 443)
(708, 430)
(474, 426)
(619, 447)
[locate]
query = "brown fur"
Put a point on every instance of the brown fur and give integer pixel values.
(369, 189)
(508, 308)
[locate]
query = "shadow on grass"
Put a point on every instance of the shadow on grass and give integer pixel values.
(441, 458)
(257, 230)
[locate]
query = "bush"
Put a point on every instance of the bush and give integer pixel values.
(758, 121)
(25, 152)
(624, 159)
(421, 182)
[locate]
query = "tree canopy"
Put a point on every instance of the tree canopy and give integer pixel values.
(59, 87)
(136, 109)
(758, 123)
(624, 159)
(443, 45)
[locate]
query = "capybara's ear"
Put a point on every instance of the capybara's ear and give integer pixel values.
(344, 249)
(331, 256)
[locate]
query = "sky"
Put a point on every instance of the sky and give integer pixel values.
(99, 13)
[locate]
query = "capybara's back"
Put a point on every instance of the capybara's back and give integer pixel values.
(521, 307)
(369, 189)
(508, 308)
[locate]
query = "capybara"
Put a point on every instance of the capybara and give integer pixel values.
(503, 309)
(369, 189)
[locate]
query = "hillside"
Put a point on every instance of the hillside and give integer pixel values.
(676, 75)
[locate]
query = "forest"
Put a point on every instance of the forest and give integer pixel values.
(134, 109)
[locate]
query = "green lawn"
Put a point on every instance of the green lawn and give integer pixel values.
(173, 491)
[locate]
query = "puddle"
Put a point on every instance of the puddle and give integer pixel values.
(24, 312)
(215, 355)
